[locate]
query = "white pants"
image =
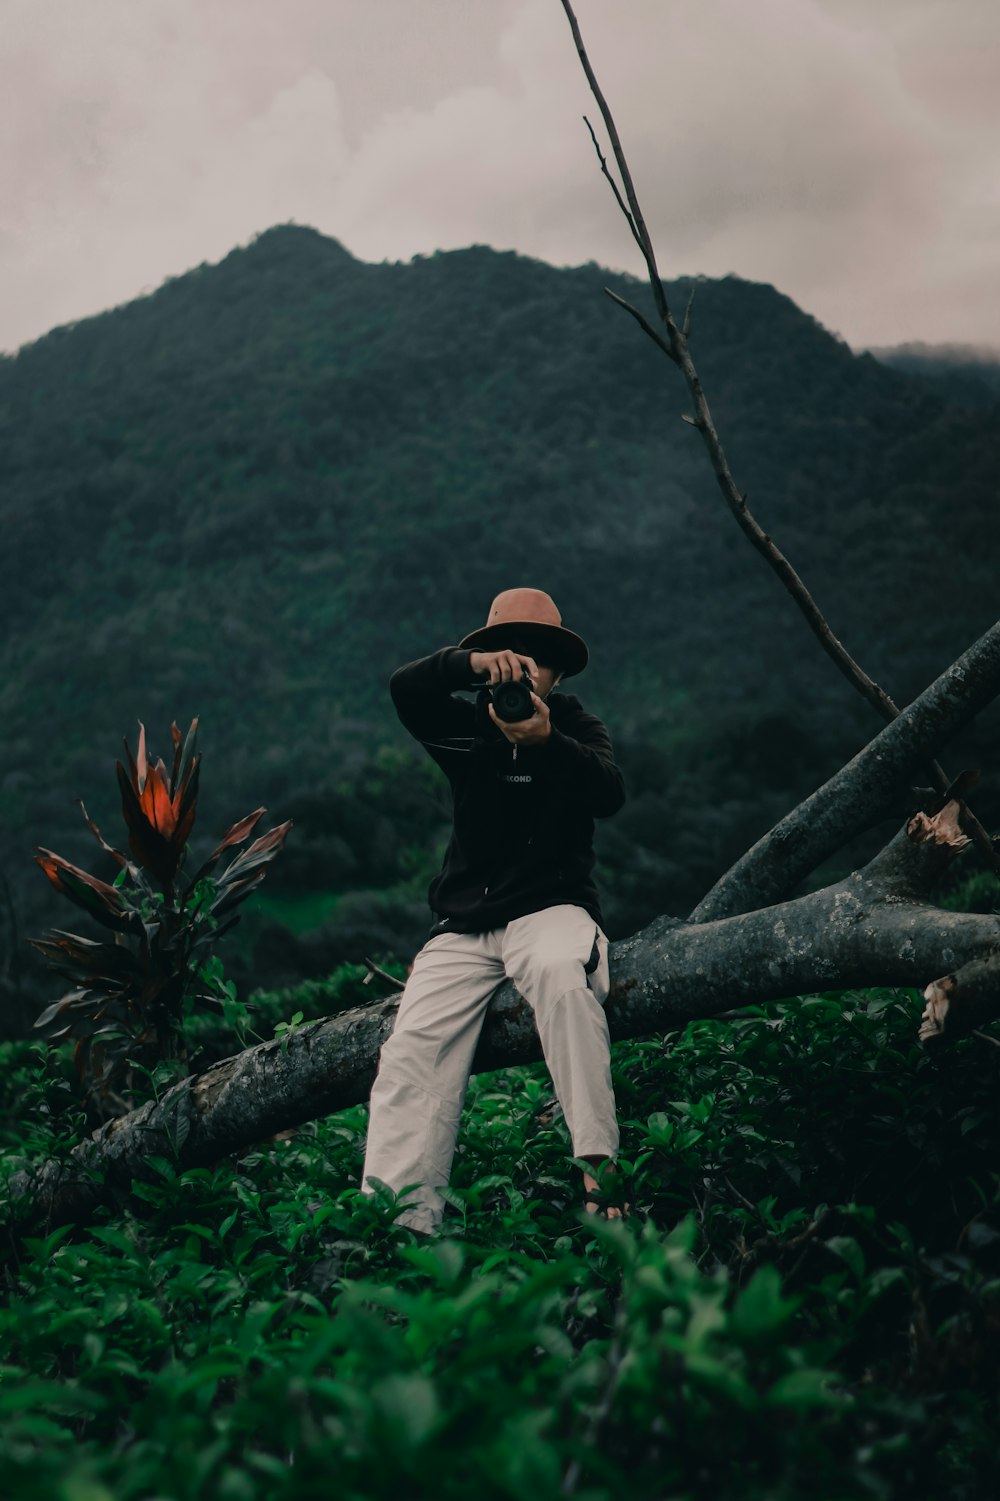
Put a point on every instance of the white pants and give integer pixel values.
(424, 1068)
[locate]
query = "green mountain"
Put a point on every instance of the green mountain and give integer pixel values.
(254, 493)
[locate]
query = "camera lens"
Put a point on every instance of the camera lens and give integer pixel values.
(512, 701)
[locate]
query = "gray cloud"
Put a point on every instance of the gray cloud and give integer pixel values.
(844, 151)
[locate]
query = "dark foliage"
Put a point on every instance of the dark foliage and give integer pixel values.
(804, 1304)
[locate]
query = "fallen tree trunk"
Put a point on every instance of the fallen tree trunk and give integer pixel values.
(874, 928)
(863, 791)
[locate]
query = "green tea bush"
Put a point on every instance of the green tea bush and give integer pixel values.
(806, 1300)
(979, 892)
(40, 1108)
(349, 985)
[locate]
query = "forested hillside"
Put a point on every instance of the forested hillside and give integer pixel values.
(254, 493)
(962, 373)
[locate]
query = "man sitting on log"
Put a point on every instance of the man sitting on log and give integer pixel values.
(515, 897)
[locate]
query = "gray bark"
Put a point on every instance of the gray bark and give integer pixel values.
(863, 791)
(874, 928)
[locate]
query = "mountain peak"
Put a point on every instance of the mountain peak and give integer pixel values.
(297, 239)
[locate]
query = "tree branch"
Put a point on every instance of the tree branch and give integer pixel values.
(863, 791)
(643, 323)
(614, 186)
(636, 222)
(958, 1003)
(680, 354)
(383, 974)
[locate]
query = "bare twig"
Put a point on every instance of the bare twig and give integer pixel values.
(771, 1242)
(741, 1196)
(676, 343)
(687, 311)
(383, 974)
(614, 186)
(636, 221)
(643, 323)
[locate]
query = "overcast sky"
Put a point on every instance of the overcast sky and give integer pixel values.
(846, 150)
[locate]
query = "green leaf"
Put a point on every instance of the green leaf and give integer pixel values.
(716, 1377)
(806, 1388)
(847, 1248)
(409, 1403)
(50, 1395)
(761, 1309)
(707, 1316)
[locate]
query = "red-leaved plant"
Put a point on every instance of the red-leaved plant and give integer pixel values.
(131, 993)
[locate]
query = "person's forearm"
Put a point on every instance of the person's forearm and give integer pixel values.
(421, 691)
(441, 673)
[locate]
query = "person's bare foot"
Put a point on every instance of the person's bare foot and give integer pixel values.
(595, 1197)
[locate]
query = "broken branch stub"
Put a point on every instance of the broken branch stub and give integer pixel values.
(959, 1003)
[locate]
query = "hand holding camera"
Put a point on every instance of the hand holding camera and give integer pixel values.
(512, 677)
(514, 706)
(503, 666)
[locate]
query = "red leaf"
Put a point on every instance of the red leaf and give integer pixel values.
(184, 829)
(247, 871)
(91, 825)
(146, 800)
(231, 895)
(237, 832)
(94, 896)
(72, 955)
(187, 797)
(186, 805)
(163, 818)
(187, 754)
(51, 869)
(49, 1014)
(133, 769)
(65, 1003)
(175, 736)
(260, 852)
(141, 759)
(150, 850)
(183, 761)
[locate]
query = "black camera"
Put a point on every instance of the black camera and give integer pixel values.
(512, 700)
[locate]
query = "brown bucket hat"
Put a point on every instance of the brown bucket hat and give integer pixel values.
(530, 615)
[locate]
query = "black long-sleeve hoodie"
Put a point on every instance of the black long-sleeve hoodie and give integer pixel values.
(523, 817)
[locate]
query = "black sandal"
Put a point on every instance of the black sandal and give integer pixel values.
(601, 1204)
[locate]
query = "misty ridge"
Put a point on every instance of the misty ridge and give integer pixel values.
(965, 373)
(253, 494)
